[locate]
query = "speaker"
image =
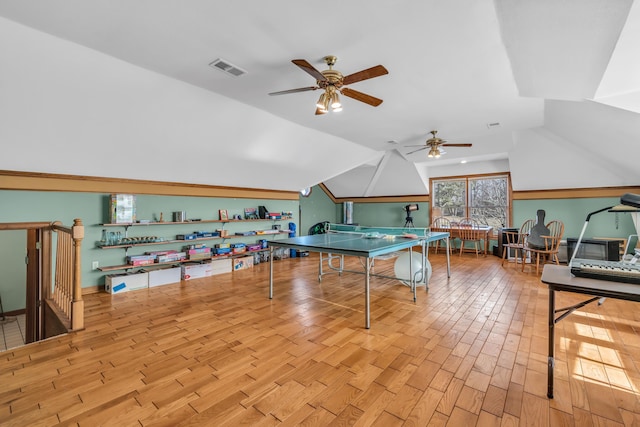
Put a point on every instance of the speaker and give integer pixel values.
(262, 212)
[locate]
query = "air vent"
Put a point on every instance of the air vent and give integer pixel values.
(227, 67)
(494, 125)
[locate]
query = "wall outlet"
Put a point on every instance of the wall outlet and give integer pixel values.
(95, 265)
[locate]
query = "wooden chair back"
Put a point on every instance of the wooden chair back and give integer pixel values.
(439, 223)
(556, 230)
(469, 229)
(551, 244)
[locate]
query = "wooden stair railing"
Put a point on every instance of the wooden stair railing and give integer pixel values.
(66, 294)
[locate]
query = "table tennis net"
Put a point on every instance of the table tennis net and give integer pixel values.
(368, 231)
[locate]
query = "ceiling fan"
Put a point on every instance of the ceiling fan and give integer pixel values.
(433, 144)
(333, 82)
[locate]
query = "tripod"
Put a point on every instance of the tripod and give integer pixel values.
(408, 221)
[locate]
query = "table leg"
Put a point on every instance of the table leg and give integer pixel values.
(367, 323)
(270, 272)
(320, 269)
(448, 261)
(550, 360)
(486, 244)
(412, 278)
(425, 258)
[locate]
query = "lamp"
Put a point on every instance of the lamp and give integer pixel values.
(329, 98)
(335, 102)
(628, 203)
(321, 101)
(434, 152)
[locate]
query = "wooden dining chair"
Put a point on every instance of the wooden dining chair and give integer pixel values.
(551, 245)
(440, 224)
(469, 231)
(516, 241)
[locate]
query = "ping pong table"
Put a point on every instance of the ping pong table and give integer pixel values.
(366, 243)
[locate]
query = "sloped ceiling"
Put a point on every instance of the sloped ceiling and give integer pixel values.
(124, 89)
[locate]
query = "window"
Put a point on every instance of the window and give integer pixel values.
(483, 198)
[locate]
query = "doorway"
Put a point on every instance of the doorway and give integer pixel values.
(22, 250)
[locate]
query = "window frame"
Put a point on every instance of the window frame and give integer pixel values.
(467, 179)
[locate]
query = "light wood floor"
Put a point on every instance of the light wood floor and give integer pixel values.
(217, 351)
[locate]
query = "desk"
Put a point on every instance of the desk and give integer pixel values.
(358, 241)
(559, 278)
(454, 232)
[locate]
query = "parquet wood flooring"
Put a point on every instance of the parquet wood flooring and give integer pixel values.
(217, 352)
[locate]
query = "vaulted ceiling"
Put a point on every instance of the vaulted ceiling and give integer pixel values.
(547, 90)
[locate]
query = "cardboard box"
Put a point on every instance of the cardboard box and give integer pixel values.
(242, 263)
(196, 271)
(221, 266)
(164, 276)
(123, 209)
(221, 251)
(121, 283)
(186, 236)
(178, 256)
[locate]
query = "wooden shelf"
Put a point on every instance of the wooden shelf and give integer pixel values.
(166, 242)
(159, 264)
(204, 221)
(126, 247)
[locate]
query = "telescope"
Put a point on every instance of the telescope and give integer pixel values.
(408, 220)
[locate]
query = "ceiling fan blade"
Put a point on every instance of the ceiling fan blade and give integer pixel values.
(369, 73)
(415, 151)
(309, 69)
(301, 89)
(455, 145)
(362, 97)
(421, 145)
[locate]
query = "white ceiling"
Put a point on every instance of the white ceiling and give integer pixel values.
(536, 67)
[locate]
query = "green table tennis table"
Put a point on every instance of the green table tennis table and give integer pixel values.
(366, 243)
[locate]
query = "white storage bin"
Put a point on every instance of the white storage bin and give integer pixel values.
(164, 276)
(120, 283)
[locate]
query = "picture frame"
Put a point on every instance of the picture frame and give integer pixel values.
(224, 215)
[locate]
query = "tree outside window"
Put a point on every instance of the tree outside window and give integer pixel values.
(485, 199)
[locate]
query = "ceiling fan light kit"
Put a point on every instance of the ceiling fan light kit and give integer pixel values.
(333, 82)
(433, 144)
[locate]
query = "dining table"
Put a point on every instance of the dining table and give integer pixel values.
(484, 231)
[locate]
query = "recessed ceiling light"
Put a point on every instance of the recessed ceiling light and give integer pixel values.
(463, 161)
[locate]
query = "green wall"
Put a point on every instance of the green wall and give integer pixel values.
(317, 207)
(573, 213)
(93, 209)
(389, 214)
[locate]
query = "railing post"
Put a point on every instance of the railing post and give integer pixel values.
(77, 306)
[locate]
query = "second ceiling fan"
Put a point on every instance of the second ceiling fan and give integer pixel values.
(333, 82)
(433, 144)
